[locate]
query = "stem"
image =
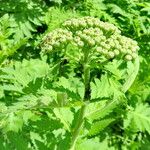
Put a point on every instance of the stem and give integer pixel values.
(78, 127)
(86, 76)
(132, 76)
(86, 73)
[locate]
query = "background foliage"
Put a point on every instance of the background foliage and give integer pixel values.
(25, 90)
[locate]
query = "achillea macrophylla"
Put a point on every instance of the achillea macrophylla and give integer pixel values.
(91, 33)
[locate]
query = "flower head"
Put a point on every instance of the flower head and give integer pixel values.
(91, 33)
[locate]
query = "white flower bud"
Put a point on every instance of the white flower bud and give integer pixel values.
(105, 52)
(97, 40)
(129, 51)
(134, 43)
(49, 48)
(123, 51)
(134, 55)
(128, 57)
(75, 24)
(111, 54)
(80, 44)
(83, 24)
(69, 38)
(103, 38)
(133, 49)
(77, 39)
(103, 44)
(57, 44)
(107, 46)
(99, 49)
(52, 42)
(63, 39)
(91, 42)
(90, 23)
(116, 52)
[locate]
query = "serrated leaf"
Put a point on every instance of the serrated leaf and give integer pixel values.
(93, 144)
(105, 87)
(13, 123)
(101, 112)
(27, 115)
(65, 116)
(99, 126)
(138, 119)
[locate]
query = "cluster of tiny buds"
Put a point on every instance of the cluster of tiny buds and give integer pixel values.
(56, 39)
(90, 32)
(119, 45)
(87, 22)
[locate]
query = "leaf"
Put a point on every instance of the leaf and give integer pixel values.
(99, 126)
(65, 116)
(27, 115)
(113, 67)
(103, 111)
(117, 10)
(105, 87)
(14, 123)
(93, 144)
(138, 119)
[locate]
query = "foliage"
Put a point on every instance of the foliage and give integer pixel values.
(52, 96)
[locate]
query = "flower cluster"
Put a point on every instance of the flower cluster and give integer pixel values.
(87, 22)
(92, 33)
(56, 39)
(118, 45)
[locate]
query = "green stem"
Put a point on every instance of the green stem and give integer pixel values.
(86, 76)
(86, 73)
(78, 127)
(132, 76)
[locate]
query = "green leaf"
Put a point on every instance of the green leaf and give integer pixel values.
(105, 87)
(14, 123)
(65, 116)
(93, 144)
(99, 126)
(102, 110)
(138, 119)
